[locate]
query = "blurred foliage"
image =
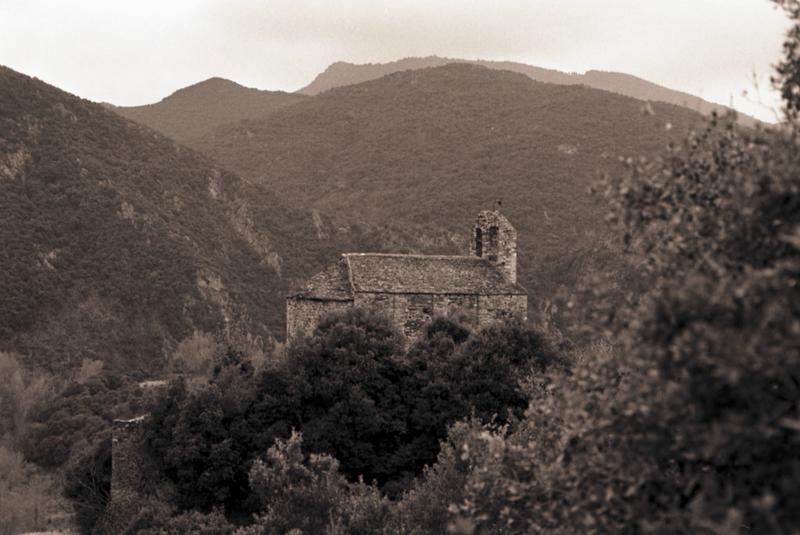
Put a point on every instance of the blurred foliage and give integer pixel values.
(29, 498)
(310, 495)
(88, 484)
(22, 394)
(787, 71)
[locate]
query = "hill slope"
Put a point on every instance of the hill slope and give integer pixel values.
(117, 243)
(426, 149)
(193, 111)
(342, 73)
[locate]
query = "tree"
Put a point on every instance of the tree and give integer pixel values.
(21, 395)
(29, 498)
(348, 376)
(382, 413)
(787, 72)
(88, 485)
(309, 494)
(203, 440)
(719, 227)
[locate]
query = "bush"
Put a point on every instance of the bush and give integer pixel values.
(29, 496)
(22, 394)
(311, 496)
(88, 485)
(349, 377)
(160, 519)
(78, 415)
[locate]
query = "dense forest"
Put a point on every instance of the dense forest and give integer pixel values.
(663, 398)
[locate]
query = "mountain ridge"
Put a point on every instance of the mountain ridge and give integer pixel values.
(189, 113)
(342, 73)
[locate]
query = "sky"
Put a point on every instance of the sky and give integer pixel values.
(130, 52)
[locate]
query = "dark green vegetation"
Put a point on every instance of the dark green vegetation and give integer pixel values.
(342, 73)
(117, 243)
(191, 113)
(353, 393)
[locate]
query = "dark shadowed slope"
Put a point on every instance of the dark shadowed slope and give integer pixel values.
(117, 242)
(342, 73)
(191, 112)
(426, 149)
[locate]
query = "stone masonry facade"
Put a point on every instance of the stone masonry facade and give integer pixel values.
(410, 290)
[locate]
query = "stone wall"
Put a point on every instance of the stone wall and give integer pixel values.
(458, 305)
(492, 308)
(125, 473)
(411, 312)
(303, 315)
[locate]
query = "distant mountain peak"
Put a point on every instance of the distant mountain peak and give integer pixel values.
(192, 112)
(210, 86)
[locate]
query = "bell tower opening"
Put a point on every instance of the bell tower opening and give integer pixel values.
(496, 240)
(493, 243)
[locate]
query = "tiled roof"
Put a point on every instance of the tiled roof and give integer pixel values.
(397, 273)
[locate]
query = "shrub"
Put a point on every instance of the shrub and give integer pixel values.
(88, 485)
(29, 496)
(310, 495)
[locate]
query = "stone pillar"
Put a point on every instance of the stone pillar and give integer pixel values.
(125, 499)
(125, 457)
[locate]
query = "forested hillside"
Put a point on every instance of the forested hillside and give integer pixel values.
(428, 149)
(118, 243)
(191, 112)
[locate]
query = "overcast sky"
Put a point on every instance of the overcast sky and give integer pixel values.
(137, 51)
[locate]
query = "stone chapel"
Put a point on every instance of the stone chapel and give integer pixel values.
(410, 289)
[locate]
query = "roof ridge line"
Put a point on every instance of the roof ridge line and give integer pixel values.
(416, 255)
